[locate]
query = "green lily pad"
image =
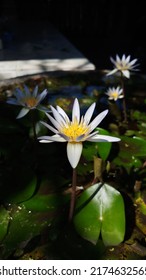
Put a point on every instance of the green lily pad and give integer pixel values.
(100, 210)
(23, 226)
(104, 147)
(25, 186)
(132, 151)
(43, 203)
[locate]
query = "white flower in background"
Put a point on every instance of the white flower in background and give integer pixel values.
(28, 100)
(124, 65)
(75, 131)
(114, 93)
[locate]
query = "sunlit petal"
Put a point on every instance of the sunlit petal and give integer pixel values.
(62, 113)
(89, 113)
(57, 116)
(74, 151)
(53, 138)
(103, 138)
(126, 73)
(98, 120)
(76, 111)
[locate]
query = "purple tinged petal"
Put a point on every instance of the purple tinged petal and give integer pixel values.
(12, 101)
(42, 95)
(35, 91)
(27, 91)
(22, 113)
(19, 94)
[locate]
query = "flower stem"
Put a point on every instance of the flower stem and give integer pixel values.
(124, 101)
(73, 195)
(33, 127)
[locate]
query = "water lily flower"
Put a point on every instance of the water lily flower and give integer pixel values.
(75, 131)
(28, 100)
(124, 65)
(114, 93)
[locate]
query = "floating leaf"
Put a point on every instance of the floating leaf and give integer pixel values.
(104, 147)
(43, 203)
(132, 150)
(100, 209)
(98, 148)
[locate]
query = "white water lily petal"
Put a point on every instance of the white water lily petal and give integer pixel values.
(112, 60)
(128, 59)
(76, 111)
(112, 72)
(74, 151)
(62, 113)
(53, 138)
(103, 138)
(57, 116)
(133, 62)
(117, 59)
(89, 113)
(22, 113)
(53, 121)
(126, 73)
(98, 120)
(49, 127)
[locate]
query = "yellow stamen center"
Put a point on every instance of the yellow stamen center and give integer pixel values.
(74, 130)
(114, 94)
(30, 101)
